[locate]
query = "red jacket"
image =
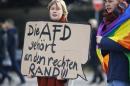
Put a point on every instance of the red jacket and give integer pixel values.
(42, 81)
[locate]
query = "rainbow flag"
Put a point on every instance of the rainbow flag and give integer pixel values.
(118, 31)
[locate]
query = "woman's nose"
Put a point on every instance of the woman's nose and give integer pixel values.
(54, 12)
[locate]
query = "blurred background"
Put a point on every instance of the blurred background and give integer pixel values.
(22, 11)
(15, 13)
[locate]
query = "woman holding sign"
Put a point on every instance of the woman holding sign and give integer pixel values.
(58, 13)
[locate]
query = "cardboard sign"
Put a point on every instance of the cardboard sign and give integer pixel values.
(55, 49)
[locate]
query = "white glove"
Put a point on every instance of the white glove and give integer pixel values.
(98, 39)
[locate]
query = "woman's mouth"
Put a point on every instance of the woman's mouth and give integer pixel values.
(108, 9)
(54, 15)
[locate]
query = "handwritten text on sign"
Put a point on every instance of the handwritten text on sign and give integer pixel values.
(55, 49)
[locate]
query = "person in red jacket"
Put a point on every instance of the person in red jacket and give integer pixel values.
(58, 13)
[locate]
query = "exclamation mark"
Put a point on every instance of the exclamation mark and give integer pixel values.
(64, 73)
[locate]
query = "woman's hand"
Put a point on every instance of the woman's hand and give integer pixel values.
(98, 39)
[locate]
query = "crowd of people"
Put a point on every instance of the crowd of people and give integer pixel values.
(110, 43)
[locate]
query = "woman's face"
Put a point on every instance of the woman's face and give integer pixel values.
(110, 5)
(56, 12)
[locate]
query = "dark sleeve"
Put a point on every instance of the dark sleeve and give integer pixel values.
(110, 45)
(2, 32)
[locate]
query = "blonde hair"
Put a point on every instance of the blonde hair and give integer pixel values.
(65, 11)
